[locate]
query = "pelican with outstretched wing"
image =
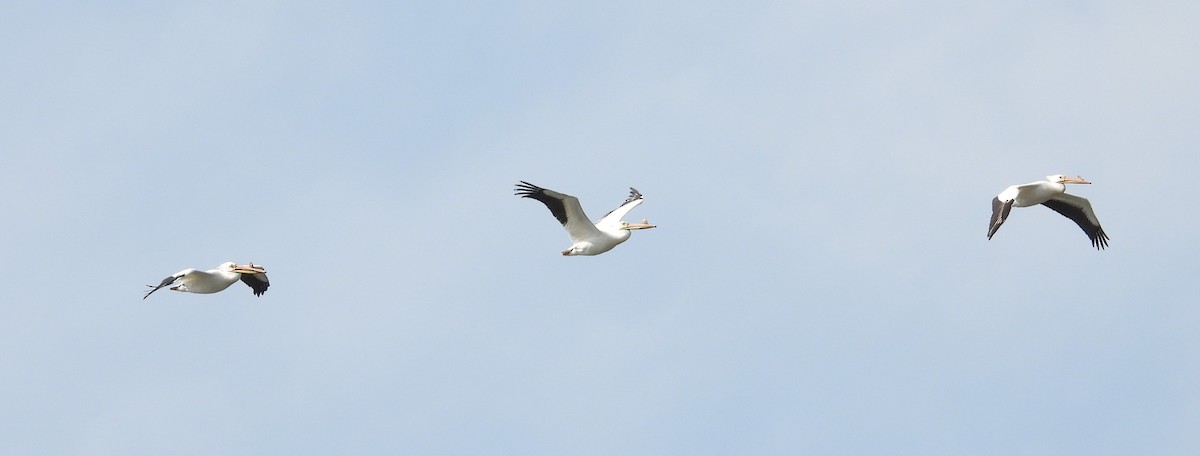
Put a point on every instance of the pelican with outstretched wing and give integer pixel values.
(587, 238)
(1052, 194)
(214, 280)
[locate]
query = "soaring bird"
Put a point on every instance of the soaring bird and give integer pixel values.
(1052, 194)
(587, 238)
(214, 280)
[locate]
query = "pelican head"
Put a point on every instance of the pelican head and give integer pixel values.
(643, 225)
(1061, 179)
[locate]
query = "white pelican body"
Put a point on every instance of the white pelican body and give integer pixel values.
(587, 238)
(1052, 194)
(214, 280)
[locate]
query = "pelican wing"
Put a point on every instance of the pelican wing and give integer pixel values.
(1079, 210)
(167, 281)
(257, 282)
(613, 218)
(1000, 210)
(565, 208)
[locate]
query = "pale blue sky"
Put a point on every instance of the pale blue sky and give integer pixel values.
(820, 282)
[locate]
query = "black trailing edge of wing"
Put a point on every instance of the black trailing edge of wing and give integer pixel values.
(528, 190)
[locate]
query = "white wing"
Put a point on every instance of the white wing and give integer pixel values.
(612, 220)
(565, 208)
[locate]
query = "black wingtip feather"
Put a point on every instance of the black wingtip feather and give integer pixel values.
(1100, 240)
(528, 190)
(258, 286)
(1000, 211)
(634, 195)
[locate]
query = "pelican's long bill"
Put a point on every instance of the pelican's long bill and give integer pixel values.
(644, 224)
(249, 269)
(1073, 180)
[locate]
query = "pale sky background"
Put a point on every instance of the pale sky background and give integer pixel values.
(820, 282)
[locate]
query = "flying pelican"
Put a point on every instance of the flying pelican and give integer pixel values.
(586, 238)
(1052, 194)
(214, 280)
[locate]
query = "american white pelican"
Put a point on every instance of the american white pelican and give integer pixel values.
(214, 280)
(586, 238)
(1050, 193)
